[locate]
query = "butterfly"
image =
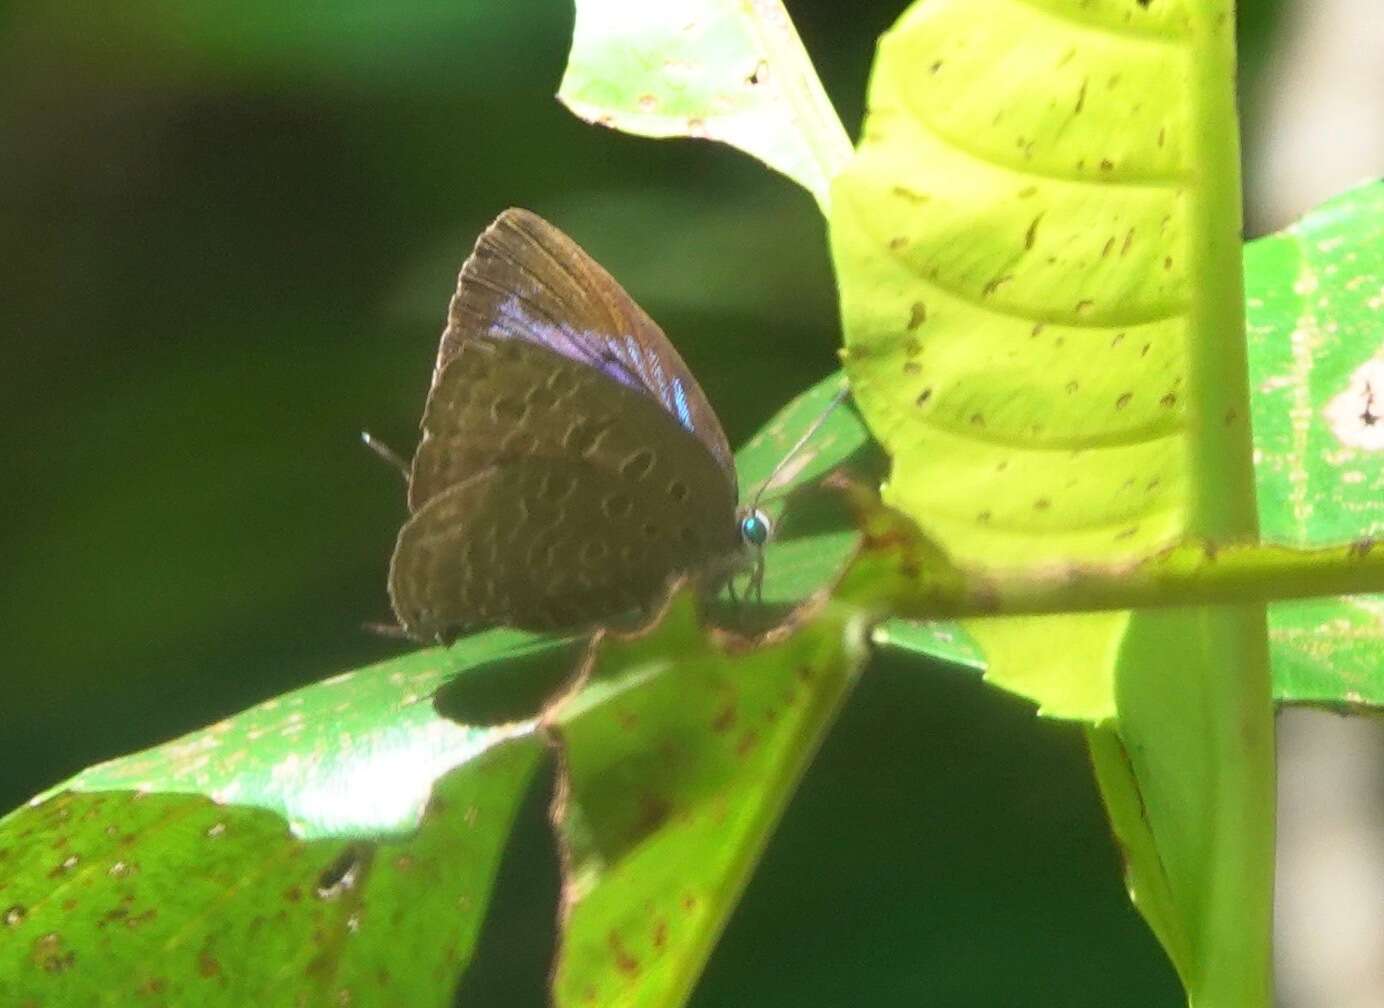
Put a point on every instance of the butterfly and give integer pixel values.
(570, 466)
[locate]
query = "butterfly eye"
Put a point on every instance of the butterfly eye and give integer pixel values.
(755, 528)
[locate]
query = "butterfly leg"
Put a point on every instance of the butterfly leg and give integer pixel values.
(756, 585)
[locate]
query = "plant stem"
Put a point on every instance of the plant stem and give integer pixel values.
(1183, 576)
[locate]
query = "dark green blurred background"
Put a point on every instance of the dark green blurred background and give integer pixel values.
(229, 233)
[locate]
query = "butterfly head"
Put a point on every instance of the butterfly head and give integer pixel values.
(755, 528)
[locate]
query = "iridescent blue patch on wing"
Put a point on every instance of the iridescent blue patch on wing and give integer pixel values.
(680, 408)
(514, 321)
(623, 360)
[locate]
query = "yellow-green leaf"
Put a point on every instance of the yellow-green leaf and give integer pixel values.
(728, 70)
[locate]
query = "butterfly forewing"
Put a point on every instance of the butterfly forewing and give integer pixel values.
(504, 399)
(528, 281)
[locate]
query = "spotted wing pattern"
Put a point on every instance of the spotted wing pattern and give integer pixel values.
(528, 281)
(547, 496)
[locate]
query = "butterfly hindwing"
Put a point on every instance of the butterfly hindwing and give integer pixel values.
(544, 543)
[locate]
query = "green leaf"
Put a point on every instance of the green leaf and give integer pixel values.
(352, 756)
(678, 757)
(1013, 288)
(299, 845)
(1315, 301)
(1038, 254)
(725, 70)
(120, 897)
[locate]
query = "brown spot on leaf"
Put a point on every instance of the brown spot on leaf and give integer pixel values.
(51, 954)
(995, 284)
(1123, 400)
(917, 315)
(903, 192)
(660, 933)
(653, 812)
(208, 965)
(624, 962)
(724, 718)
(66, 866)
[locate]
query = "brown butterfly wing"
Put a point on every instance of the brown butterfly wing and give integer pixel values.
(546, 495)
(503, 399)
(528, 281)
(547, 544)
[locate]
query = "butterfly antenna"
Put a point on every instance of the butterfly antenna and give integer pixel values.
(793, 452)
(385, 452)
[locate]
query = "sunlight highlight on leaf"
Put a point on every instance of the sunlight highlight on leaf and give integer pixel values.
(727, 70)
